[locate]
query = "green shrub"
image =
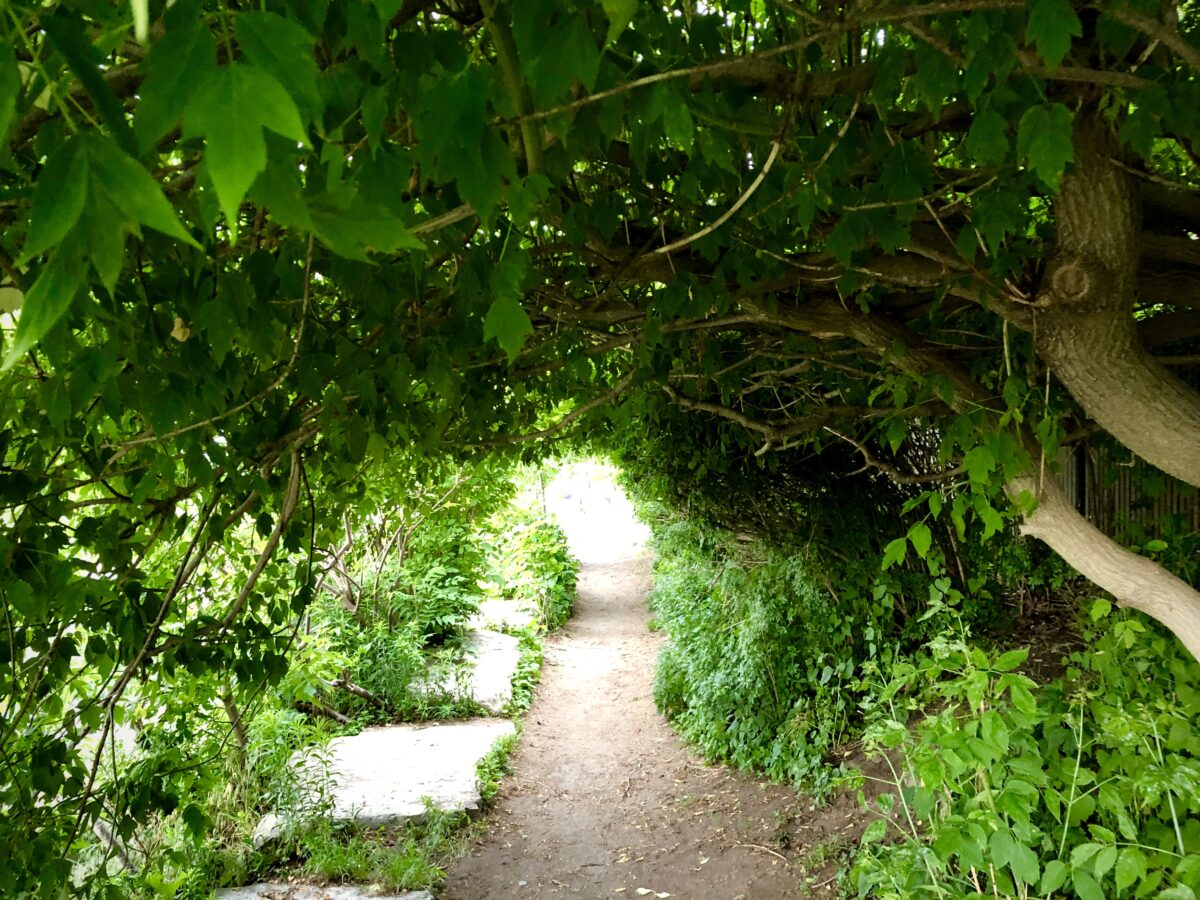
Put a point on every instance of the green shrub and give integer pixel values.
(533, 564)
(760, 656)
(1086, 787)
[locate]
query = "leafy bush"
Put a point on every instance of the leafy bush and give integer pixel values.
(1088, 787)
(533, 564)
(760, 658)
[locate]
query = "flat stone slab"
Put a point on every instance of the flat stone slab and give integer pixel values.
(492, 660)
(268, 891)
(379, 778)
(501, 614)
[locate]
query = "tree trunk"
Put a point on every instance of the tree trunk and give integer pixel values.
(1135, 581)
(1084, 326)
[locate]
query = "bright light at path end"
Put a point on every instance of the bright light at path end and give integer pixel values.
(595, 513)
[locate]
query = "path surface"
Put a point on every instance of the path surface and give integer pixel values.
(603, 799)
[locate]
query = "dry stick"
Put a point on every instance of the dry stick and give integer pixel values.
(268, 551)
(1160, 32)
(870, 462)
(765, 850)
(316, 709)
(352, 688)
(729, 213)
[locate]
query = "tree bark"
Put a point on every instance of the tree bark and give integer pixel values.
(1084, 328)
(1135, 581)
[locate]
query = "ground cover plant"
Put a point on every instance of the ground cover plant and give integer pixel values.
(252, 252)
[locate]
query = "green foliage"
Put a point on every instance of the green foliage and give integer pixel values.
(252, 250)
(761, 654)
(1088, 786)
(534, 566)
(412, 859)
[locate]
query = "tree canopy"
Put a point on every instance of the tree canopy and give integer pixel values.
(251, 249)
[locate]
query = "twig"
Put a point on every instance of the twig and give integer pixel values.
(766, 850)
(729, 213)
(870, 462)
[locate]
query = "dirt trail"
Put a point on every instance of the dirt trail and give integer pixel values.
(604, 800)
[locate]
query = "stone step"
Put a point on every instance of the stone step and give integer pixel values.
(491, 662)
(379, 777)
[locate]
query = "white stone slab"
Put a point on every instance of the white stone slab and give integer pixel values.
(492, 660)
(501, 614)
(379, 778)
(279, 891)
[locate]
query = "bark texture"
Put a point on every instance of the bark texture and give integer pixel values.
(1085, 329)
(1135, 581)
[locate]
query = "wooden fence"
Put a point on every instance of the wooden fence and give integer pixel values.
(1102, 486)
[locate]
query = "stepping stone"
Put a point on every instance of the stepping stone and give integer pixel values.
(492, 658)
(501, 614)
(312, 892)
(379, 777)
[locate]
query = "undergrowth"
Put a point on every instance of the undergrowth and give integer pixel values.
(796, 629)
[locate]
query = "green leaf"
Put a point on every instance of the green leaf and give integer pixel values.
(1024, 864)
(979, 463)
(58, 199)
(508, 323)
(1053, 876)
(1022, 698)
(48, 300)
(894, 552)
(1100, 609)
(506, 319)
(620, 13)
(1011, 660)
(678, 125)
(874, 832)
(66, 32)
(284, 49)
(1104, 861)
(231, 110)
(176, 67)
(1086, 887)
(133, 190)
(1051, 25)
(987, 140)
(1083, 854)
(976, 685)
(352, 226)
(568, 55)
(10, 89)
(921, 538)
(1044, 138)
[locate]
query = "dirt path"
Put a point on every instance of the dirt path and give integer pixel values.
(603, 799)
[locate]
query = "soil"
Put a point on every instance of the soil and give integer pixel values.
(604, 801)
